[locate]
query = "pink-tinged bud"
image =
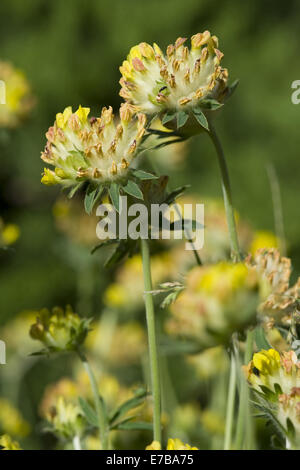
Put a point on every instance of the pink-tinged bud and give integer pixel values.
(138, 64)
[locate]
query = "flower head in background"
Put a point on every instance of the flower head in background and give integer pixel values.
(173, 444)
(66, 419)
(59, 330)
(97, 150)
(218, 300)
(17, 96)
(6, 443)
(278, 298)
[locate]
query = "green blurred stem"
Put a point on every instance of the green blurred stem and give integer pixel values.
(99, 405)
(244, 406)
(153, 353)
(230, 404)
(234, 244)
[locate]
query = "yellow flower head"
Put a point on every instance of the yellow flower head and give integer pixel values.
(173, 444)
(6, 443)
(180, 79)
(278, 373)
(15, 96)
(59, 330)
(98, 150)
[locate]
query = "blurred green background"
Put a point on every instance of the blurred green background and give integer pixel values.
(71, 51)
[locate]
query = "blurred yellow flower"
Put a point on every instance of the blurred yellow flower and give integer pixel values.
(9, 233)
(11, 420)
(6, 443)
(18, 97)
(66, 419)
(59, 330)
(263, 239)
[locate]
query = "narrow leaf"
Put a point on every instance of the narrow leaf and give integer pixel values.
(88, 412)
(114, 193)
(143, 175)
(168, 117)
(91, 196)
(132, 189)
(182, 117)
(135, 426)
(260, 339)
(74, 189)
(201, 118)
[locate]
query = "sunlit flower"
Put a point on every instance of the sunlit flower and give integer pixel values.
(60, 330)
(173, 444)
(66, 419)
(181, 79)
(97, 150)
(277, 379)
(18, 98)
(11, 420)
(6, 443)
(277, 373)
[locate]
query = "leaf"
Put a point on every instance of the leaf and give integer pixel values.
(290, 428)
(169, 116)
(124, 247)
(91, 196)
(129, 404)
(105, 243)
(231, 89)
(182, 117)
(75, 189)
(133, 189)
(260, 339)
(114, 193)
(135, 426)
(143, 175)
(176, 193)
(170, 298)
(201, 118)
(88, 412)
(211, 104)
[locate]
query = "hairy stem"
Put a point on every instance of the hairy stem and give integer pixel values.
(153, 354)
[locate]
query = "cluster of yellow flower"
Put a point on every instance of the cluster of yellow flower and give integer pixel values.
(277, 378)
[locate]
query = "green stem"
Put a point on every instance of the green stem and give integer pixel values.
(230, 404)
(244, 407)
(234, 244)
(153, 355)
(100, 409)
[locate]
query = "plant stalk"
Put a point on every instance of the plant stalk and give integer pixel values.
(226, 188)
(100, 409)
(244, 406)
(153, 354)
(230, 404)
